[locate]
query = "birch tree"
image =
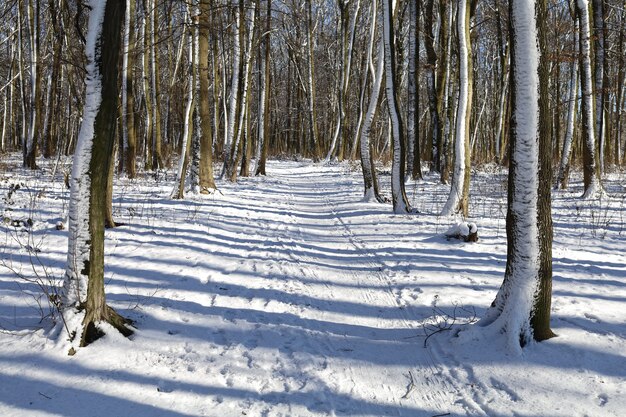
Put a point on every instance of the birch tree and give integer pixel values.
(234, 90)
(561, 180)
(591, 174)
(179, 187)
(129, 139)
(458, 199)
(83, 291)
(521, 310)
(30, 149)
(400, 202)
(264, 94)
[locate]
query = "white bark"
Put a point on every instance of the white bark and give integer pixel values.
(234, 86)
(33, 16)
(262, 109)
(569, 132)
(125, 51)
(400, 203)
(456, 190)
(366, 158)
(244, 92)
(586, 82)
(179, 184)
(368, 60)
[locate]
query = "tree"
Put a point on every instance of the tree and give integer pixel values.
(31, 145)
(399, 199)
(233, 104)
(458, 199)
(264, 95)
(561, 180)
(413, 162)
(207, 182)
(591, 174)
(179, 187)
(129, 138)
(522, 306)
(83, 290)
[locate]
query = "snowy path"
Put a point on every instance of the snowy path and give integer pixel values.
(329, 333)
(288, 296)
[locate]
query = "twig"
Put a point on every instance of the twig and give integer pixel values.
(44, 395)
(410, 387)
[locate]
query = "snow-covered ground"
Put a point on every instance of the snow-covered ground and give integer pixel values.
(288, 296)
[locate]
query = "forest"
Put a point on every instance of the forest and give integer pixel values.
(312, 208)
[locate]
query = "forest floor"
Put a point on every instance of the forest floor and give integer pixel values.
(287, 295)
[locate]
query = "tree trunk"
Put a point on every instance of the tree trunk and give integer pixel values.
(231, 174)
(207, 182)
(599, 69)
(521, 309)
(413, 157)
(179, 188)
(458, 199)
(561, 180)
(312, 112)
(591, 175)
(35, 84)
(400, 202)
(264, 96)
(84, 282)
(147, 92)
(371, 192)
(129, 138)
(157, 153)
(234, 92)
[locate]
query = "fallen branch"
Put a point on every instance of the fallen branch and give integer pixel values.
(410, 387)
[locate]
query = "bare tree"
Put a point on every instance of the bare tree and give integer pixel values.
(84, 279)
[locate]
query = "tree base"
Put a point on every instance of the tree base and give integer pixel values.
(91, 331)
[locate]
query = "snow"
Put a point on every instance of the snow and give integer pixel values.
(287, 295)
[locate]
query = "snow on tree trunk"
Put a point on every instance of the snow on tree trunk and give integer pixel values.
(591, 178)
(83, 287)
(458, 198)
(75, 283)
(400, 201)
(522, 305)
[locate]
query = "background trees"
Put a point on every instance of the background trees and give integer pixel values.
(315, 60)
